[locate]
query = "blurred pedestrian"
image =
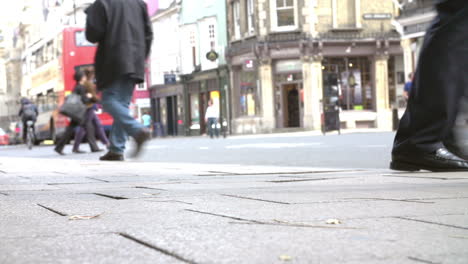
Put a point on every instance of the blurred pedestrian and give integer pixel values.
(90, 127)
(28, 112)
(211, 118)
(123, 32)
(86, 98)
(146, 120)
(407, 87)
(422, 140)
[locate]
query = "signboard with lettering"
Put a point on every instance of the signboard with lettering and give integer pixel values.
(377, 16)
(169, 79)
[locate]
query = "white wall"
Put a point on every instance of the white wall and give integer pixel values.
(165, 51)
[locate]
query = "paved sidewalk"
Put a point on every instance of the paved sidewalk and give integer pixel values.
(176, 213)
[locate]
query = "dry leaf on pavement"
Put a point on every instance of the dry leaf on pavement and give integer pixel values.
(83, 217)
(333, 222)
(285, 258)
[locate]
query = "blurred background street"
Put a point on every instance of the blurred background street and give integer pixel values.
(353, 150)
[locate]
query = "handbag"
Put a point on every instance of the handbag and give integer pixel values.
(73, 107)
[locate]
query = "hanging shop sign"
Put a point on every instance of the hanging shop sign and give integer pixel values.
(212, 55)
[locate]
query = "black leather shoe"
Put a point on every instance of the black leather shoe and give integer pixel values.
(59, 151)
(78, 151)
(459, 150)
(441, 160)
(110, 156)
(140, 140)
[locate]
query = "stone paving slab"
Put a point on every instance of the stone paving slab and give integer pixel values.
(191, 213)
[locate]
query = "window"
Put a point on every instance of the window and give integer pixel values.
(194, 48)
(81, 41)
(250, 17)
(284, 14)
(212, 35)
(346, 14)
(236, 18)
(141, 86)
(356, 88)
(248, 101)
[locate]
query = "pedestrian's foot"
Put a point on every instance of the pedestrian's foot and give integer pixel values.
(59, 151)
(458, 149)
(111, 156)
(140, 139)
(97, 150)
(439, 161)
(78, 151)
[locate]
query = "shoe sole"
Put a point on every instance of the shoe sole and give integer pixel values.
(404, 166)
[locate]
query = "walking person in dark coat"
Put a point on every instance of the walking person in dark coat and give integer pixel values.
(86, 98)
(423, 140)
(123, 32)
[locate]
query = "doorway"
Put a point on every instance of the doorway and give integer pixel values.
(171, 104)
(291, 108)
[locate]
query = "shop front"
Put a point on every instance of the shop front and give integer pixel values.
(168, 110)
(200, 89)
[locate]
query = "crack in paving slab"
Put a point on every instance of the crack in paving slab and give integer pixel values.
(4, 172)
(171, 201)
(274, 173)
(432, 223)
(254, 199)
(96, 179)
(69, 183)
(52, 210)
(3, 194)
(149, 188)
(159, 249)
(303, 180)
(390, 199)
(57, 236)
(274, 223)
(111, 196)
(422, 260)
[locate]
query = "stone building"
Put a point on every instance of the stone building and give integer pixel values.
(279, 51)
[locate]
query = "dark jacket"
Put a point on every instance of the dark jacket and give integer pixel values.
(28, 110)
(124, 34)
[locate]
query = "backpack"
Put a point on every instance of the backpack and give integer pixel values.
(29, 111)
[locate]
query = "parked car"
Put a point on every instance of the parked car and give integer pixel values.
(4, 138)
(14, 131)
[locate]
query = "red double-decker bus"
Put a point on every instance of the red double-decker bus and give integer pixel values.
(48, 69)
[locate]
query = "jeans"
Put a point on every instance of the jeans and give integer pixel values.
(116, 100)
(213, 125)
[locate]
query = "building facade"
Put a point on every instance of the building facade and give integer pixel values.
(280, 50)
(167, 93)
(204, 72)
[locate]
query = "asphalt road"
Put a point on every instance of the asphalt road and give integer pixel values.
(355, 150)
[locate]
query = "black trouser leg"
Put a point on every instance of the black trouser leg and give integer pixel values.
(91, 134)
(438, 84)
(66, 136)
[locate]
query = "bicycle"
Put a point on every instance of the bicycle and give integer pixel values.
(30, 137)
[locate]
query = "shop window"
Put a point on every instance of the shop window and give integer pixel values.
(284, 14)
(194, 111)
(236, 19)
(250, 14)
(356, 88)
(249, 101)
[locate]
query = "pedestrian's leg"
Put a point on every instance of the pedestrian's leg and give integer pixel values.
(65, 137)
(101, 134)
(216, 127)
(25, 131)
(210, 127)
(79, 135)
(116, 101)
(91, 135)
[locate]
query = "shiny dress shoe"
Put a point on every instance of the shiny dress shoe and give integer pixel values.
(110, 156)
(140, 139)
(441, 160)
(457, 149)
(77, 151)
